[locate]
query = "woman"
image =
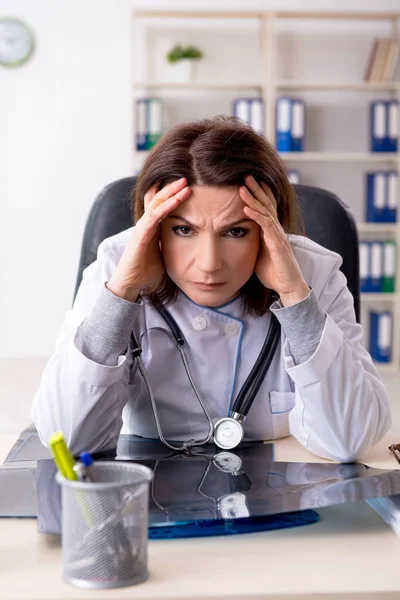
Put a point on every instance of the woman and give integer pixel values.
(216, 244)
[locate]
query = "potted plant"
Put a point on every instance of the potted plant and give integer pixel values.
(182, 59)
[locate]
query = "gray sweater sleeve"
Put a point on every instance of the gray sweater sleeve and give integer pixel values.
(104, 334)
(303, 324)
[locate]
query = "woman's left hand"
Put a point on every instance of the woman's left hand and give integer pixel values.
(277, 267)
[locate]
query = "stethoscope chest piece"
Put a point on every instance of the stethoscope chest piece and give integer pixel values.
(228, 433)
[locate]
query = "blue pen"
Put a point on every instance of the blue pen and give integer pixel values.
(83, 468)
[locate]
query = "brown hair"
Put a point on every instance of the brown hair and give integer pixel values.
(219, 151)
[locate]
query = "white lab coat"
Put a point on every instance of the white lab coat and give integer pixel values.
(334, 404)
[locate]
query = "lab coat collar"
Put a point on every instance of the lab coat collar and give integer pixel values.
(183, 305)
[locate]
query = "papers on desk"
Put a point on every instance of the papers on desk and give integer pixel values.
(388, 507)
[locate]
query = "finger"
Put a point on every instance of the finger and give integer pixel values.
(251, 201)
(154, 215)
(270, 195)
(151, 192)
(272, 232)
(261, 192)
(265, 221)
(166, 192)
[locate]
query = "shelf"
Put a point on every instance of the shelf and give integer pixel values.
(289, 85)
(204, 14)
(362, 16)
(367, 16)
(195, 85)
(386, 366)
(342, 156)
(378, 227)
(325, 156)
(378, 297)
(328, 86)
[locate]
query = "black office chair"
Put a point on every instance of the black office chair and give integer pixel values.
(327, 220)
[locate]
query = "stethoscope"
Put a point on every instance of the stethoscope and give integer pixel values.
(226, 432)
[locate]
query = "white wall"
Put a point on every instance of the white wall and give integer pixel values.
(65, 132)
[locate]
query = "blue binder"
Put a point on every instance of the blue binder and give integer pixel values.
(241, 109)
(298, 125)
(364, 258)
(141, 123)
(392, 190)
(378, 126)
(284, 124)
(375, 276)
(392, 124)
(256, 110)
(381, 336)
(376, 197)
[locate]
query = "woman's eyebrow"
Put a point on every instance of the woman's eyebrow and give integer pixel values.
(227, 226)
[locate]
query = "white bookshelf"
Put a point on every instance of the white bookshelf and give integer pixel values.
(268, 87)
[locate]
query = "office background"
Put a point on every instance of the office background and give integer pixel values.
(66, 123)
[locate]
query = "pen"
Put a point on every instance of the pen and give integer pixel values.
(83, 468)
(62, 456)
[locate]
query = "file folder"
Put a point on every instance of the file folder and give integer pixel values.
(376, 197)
(257, 114)
(378, 126)
(283, 124)
(364, 252)
(251, 112)
(298, 125)
(392, 191)
(392, 107)
(381, 336)
(154, 116)
(141, 124)
(241, 109)
(375, 274)
(389, 267)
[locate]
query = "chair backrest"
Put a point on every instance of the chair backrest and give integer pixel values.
(327, 220)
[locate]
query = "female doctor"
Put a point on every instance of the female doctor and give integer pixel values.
(213, 319)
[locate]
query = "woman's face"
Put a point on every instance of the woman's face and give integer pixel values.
(209, 245)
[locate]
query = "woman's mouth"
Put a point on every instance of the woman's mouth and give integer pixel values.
(209, 286)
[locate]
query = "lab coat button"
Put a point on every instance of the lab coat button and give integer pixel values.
(199, 323)
(231, 329)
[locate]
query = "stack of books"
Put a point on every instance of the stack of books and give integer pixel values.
(382, 60)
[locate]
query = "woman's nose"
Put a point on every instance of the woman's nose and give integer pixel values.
(208, 257)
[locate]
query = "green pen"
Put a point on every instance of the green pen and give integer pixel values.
(62, 456)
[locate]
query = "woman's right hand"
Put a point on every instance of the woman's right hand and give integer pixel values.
(141, 266)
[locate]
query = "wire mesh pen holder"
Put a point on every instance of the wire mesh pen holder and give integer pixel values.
(105, 526)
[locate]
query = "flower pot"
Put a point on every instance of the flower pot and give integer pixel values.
(181, 71)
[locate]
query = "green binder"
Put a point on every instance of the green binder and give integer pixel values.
(389, 267)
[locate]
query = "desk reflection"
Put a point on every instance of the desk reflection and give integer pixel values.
(211, 484)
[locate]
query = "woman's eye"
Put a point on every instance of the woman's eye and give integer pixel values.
(237, 232)
(182, 230)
